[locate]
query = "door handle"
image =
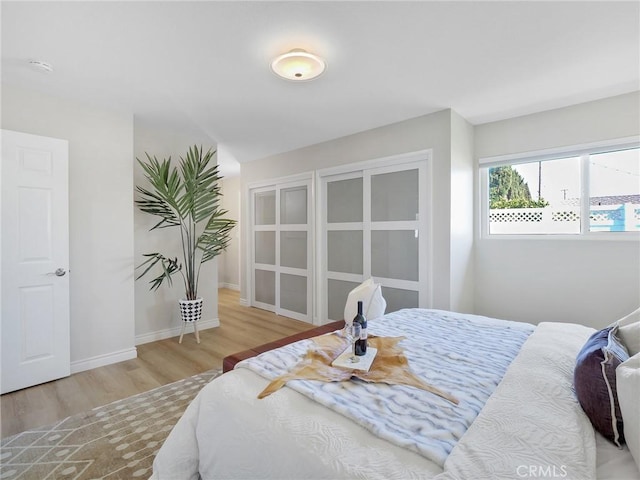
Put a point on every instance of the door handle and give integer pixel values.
(60, 272)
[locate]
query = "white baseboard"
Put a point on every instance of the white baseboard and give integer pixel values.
(175, 331)
(102, 360)
(230, 286)
(130, 353)
(244, 302)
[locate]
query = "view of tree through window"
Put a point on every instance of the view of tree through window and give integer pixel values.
(507, 189)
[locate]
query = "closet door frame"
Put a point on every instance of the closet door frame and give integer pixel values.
(421, 160)
(278, 185)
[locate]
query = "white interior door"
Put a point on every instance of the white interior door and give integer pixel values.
(35, 260)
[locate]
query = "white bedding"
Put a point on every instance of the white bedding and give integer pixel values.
(532, 425)
(438, 346)
(228, 433)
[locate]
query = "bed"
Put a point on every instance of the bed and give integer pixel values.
(516, 417)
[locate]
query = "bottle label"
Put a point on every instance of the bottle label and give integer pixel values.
(363, 334)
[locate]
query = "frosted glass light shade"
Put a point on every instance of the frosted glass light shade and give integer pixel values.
(298, 65)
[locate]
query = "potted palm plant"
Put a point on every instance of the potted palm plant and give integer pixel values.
(187, 198)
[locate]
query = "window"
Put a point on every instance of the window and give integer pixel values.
(554, 193)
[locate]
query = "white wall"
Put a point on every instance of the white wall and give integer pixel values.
(156, 312)
(462, 215)
(429, 131)
(229, 261)
(100, 218)
(592, 282)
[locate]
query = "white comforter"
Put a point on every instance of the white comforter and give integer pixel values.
(532, 426)
(463, 355)
(228, 433)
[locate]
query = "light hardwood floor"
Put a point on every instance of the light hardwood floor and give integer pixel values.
(158, 363)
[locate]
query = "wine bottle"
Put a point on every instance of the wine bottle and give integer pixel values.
(360, 347)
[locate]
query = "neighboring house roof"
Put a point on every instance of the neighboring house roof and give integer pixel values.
(608, 200)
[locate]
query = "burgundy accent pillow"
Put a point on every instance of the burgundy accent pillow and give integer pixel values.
(594, 380)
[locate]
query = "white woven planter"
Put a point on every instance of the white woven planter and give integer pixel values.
(190, 310)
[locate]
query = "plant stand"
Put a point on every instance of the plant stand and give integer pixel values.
(190, 312)
(195, 330)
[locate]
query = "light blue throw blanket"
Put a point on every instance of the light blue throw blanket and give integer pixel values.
(464, 355)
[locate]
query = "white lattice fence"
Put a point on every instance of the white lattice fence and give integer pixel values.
(515, 215)
(563, 220)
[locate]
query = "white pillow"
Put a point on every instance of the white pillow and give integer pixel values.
(628, 388)
(629, 332)
(633, 317)
(373, 303)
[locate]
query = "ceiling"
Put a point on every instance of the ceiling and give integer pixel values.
(203, 67)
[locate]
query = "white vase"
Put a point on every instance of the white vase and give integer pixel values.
(190, 310)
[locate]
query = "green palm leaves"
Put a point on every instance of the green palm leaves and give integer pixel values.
(187, 197)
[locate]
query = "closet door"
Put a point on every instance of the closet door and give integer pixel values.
(282, 250)
(294, 253)
(375, 225)
(397, 236)
(343, 261)
(264, 266)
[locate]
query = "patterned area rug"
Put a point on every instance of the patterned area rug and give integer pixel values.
(116, 441)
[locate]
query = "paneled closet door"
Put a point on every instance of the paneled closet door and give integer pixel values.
(397, 235)
(281, 249)
(264, 249)
(343, 260)
(375, 225)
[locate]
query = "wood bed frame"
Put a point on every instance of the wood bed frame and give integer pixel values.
(229, 362)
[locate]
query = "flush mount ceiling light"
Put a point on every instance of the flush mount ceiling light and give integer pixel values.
(298, 65)
(41, 66)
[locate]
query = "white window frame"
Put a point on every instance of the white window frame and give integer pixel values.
(583, 151)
